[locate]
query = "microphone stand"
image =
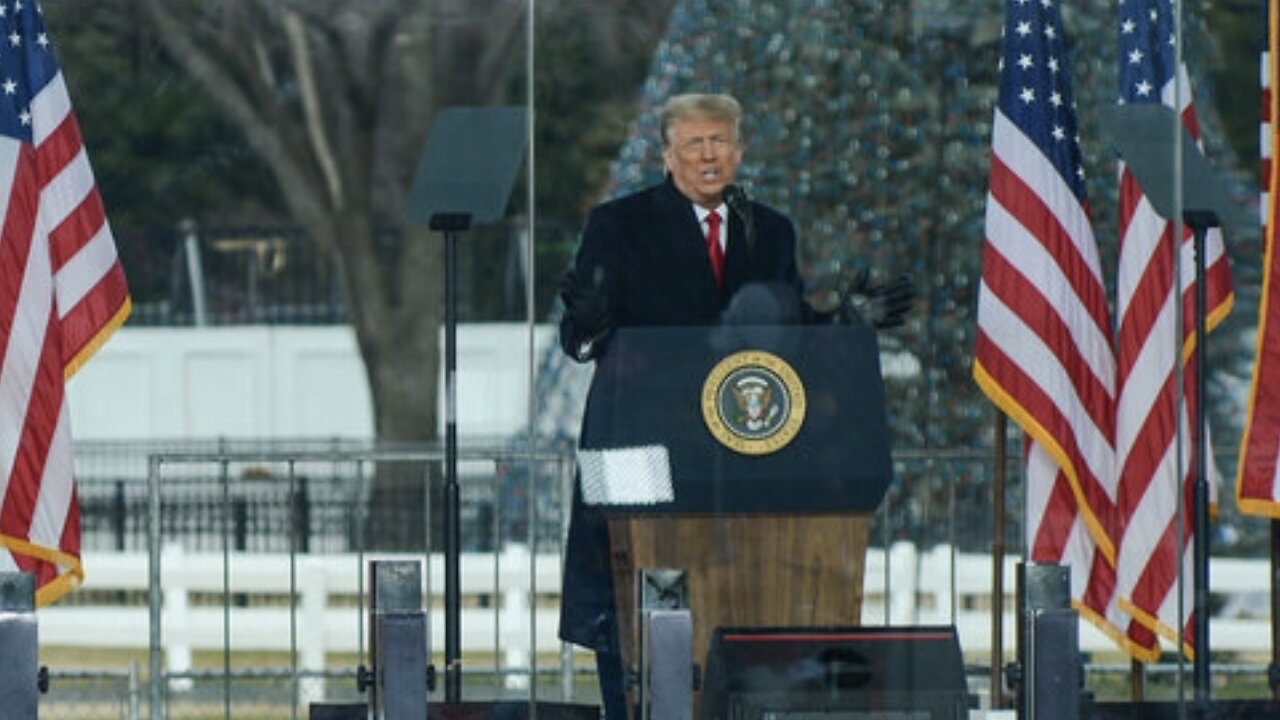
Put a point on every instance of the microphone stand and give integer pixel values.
(739, 205)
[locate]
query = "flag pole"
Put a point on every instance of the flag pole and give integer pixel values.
(1269, 93)
(1273, 672)
(997, 561)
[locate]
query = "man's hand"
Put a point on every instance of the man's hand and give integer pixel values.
(881, 306)
(587, 304)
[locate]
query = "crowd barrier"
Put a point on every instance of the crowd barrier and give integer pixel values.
(510, 603)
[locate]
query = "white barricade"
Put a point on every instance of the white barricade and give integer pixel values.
(508, 617)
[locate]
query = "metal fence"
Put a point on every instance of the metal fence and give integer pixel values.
(301, 498)
(938, 496)
(237, 275)
(232, 276)
(94, 695)
(308, 498)
(316, 496)
(242, 492)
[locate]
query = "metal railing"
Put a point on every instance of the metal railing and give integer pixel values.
(405, 467)
(236, 276)
(304, 499)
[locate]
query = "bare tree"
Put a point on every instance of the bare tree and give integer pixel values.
(337, 97)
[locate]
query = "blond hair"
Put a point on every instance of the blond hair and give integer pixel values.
(700, 106)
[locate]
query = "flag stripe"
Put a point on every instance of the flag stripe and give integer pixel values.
(64, 292)
(59, 150)
(82, 273)
(1061, 537)
(1088, 391)
(1153, 413)
(26, 312)
(49, 514)
(1257, 479)
(1043, 351)
(36, 436)
(1034, 194)
(1044, 406)
(1050, 260)
(87, 221)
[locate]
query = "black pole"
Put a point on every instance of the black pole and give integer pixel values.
(119, 516)
(1200, 222)
(452, 543)
(1273, 670)
(1137, 681)
(451, 224)
(997, 561)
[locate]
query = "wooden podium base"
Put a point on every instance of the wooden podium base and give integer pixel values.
(758, 570)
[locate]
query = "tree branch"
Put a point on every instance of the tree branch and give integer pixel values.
(299, 46)
(197, 57)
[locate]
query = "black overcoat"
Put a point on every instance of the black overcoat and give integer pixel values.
(648, 252)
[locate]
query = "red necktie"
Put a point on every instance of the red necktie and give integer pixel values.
(714, 250)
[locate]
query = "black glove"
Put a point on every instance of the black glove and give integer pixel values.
(587, 304)
(882, 306)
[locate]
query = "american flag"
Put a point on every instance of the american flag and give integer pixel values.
(1043, 353)
(62, 293)
(1148, 338)
(1257, 480)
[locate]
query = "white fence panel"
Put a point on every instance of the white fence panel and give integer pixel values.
(936, 587)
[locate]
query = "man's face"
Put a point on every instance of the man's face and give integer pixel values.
(702, 157)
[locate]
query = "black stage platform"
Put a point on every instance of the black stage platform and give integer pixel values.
(1214, 710)
(519, 710)
(498, 710)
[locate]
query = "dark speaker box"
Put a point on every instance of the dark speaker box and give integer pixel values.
(338, 711)
(1052, 667)
(914, 673)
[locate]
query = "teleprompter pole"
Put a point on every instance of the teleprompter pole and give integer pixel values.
(453, 188)
(1200, 221)
(451, 224)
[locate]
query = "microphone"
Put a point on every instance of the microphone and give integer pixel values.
(736, 198)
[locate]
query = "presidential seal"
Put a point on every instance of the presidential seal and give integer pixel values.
(753, 402)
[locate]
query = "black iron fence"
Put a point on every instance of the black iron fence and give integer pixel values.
(338, 505)
(938, 496)
(236, 275)
(233, 276)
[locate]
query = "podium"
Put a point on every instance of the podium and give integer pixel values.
(749, 457)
